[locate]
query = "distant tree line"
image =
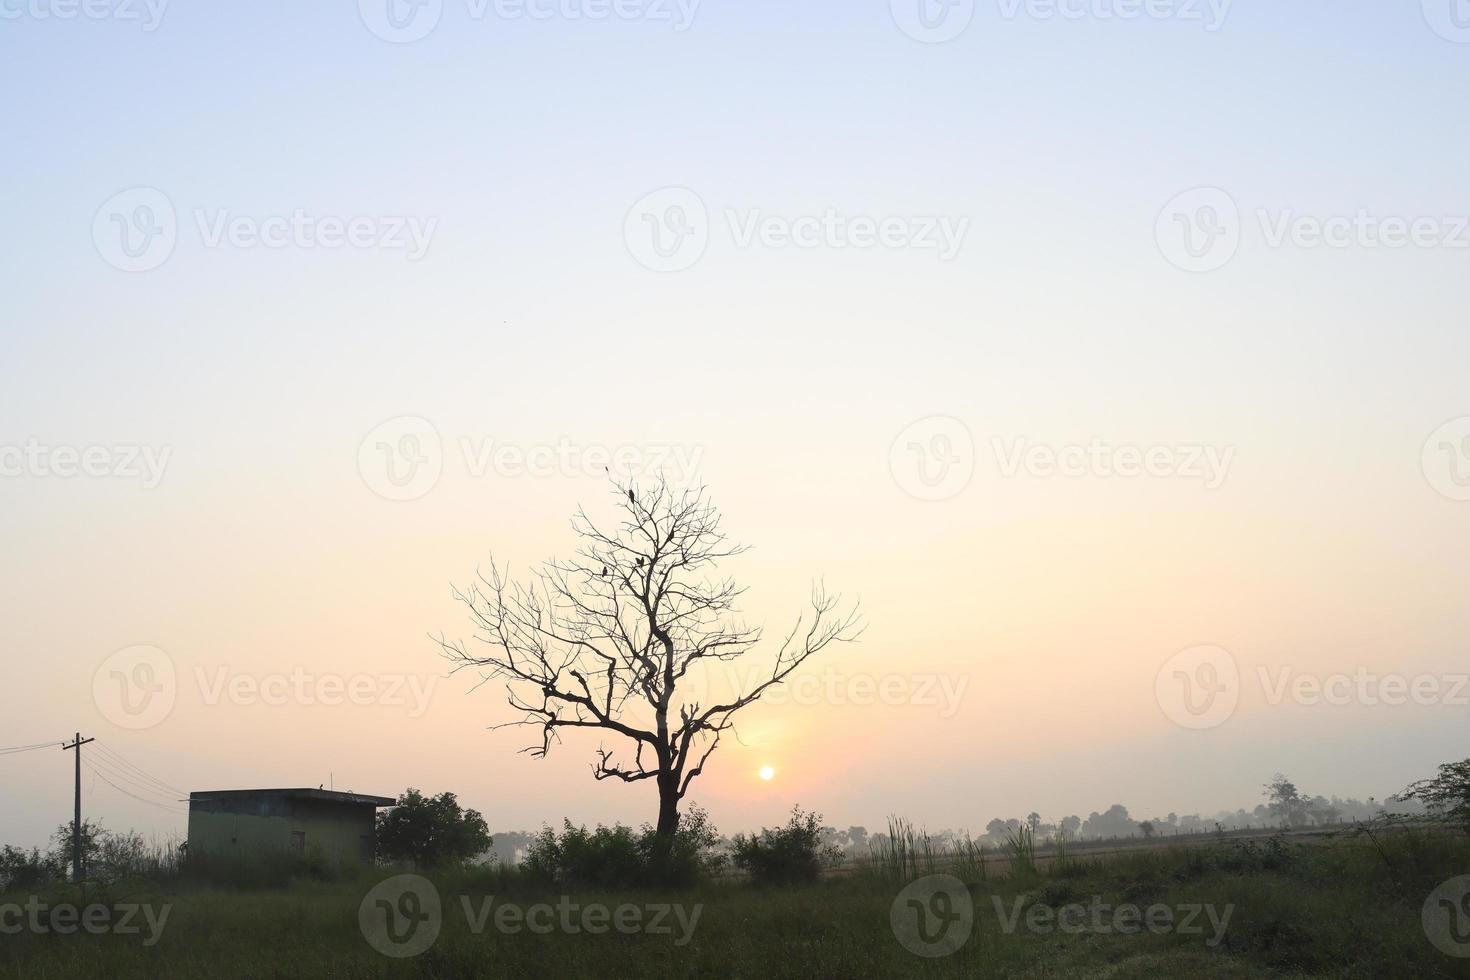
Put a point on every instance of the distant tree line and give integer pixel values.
(1284, 807)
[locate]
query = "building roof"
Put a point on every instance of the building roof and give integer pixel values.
(324, 795)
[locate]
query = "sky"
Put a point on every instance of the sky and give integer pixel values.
(1114, 354)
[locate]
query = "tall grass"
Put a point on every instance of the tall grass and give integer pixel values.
(1021, 845)
(969, 859)
(907, 853)
(903, 855)
(1064, 863)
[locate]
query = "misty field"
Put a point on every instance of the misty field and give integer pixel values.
(1350, 905)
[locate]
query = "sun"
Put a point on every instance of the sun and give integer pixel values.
(767, 773)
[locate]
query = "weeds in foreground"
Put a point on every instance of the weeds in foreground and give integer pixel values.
(907, 853)
(1021, 845)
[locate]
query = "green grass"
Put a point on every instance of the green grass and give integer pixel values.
(1345, 909)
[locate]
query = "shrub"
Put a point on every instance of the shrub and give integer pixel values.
(785, 855)
(431, 831)
(606, 857)
(127, 854)
(693, 856)
(1447, 795)
(60, 856)
(1252, 857)
(20, 870)
(1056, 893)
(617, 856)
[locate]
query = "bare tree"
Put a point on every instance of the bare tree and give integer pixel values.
(604, 641)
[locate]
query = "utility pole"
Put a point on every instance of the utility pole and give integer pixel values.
(76, 823)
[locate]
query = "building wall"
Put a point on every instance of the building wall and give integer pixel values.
(341, 833)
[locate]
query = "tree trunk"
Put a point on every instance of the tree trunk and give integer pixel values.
(668, 824)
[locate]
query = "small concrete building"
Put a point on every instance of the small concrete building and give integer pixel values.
(249, 824)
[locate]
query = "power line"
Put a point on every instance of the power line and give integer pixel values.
(162, 806)
(127, 766)
(111, 763)
(138, 771)
(28, 748)
(106, 768)
(99, 774)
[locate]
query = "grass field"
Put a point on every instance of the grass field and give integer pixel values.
(1347, 907)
